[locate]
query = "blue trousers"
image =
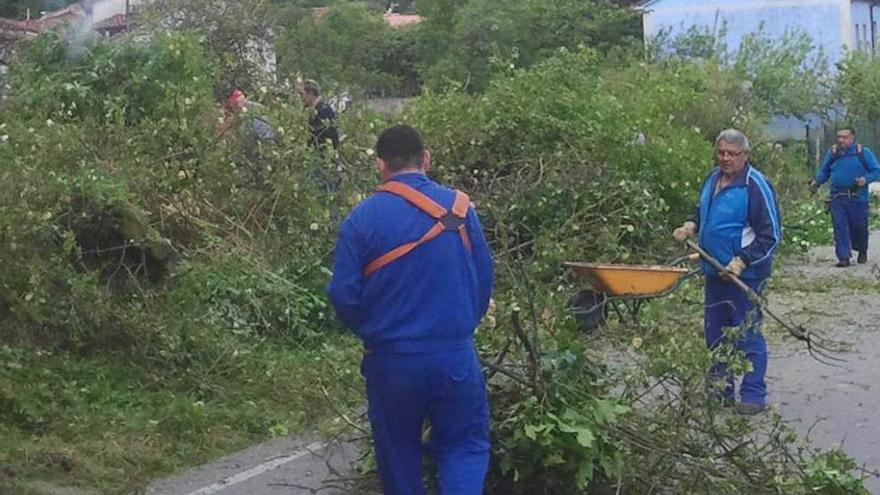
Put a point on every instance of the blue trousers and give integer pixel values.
(728, 306)
(850, 218)
(446, 388)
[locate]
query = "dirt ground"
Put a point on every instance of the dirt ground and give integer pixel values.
(832, 406)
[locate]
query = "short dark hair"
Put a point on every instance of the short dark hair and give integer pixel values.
(848, 128)
(401, 147)
(312, 86)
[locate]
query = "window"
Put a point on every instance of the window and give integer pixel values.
(858, 38)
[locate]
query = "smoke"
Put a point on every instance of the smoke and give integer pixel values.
(83, 30)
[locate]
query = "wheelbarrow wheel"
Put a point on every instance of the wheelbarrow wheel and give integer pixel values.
(589, 308)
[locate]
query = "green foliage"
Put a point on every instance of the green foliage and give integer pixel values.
(559, 440)
(111, 425)
(165, 286)
(785, 74)
(18, 9)
(781, 76)
(350, 46)
(467, 43)
(830, 473)
(859, 84)
(236, 33)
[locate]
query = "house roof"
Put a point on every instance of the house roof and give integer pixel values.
(393, 20)
(645, 4)
(116, 21)
(400, 20)
(16, 26)
(48, 20)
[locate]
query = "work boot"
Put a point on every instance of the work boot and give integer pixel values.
(842, 264)
(863, 257)
(749, 408)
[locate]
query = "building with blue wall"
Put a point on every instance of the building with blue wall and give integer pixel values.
(835, 26)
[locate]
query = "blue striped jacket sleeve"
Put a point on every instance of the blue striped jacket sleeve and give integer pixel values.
(765, 221)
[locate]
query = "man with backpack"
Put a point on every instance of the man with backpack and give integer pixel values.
(850, 167)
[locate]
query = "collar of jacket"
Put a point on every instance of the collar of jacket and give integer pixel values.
(410, 178)
(741, 180)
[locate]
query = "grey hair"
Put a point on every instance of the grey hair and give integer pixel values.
(733, 136)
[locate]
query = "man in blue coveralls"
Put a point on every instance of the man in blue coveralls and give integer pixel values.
(412, 278)
(851, 167)
(738, 223)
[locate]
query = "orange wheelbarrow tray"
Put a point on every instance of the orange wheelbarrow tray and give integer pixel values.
(630, 280)
(623, 287)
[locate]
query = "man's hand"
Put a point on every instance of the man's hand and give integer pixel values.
(860, 181)
(735, 267)
(813, 185)
(686, 231)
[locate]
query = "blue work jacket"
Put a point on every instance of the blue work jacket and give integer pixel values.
(431, 299)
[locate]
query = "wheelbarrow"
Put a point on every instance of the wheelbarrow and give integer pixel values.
(624, 288)
(629, 286)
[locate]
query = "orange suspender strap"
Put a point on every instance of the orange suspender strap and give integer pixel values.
(431, 208)
(459, 209)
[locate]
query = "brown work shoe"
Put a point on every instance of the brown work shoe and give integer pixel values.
(749, 408)
(842, 264)
(863, 257)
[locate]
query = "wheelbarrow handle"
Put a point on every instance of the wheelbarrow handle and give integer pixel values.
(684, 259)
(721, 269)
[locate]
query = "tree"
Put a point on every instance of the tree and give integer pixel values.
(467, 41)
(238, 33)
(350, 46)
(17, 9)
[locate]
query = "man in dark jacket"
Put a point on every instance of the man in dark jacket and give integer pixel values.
(738, 223)
(850, 168)
(412, 278)
(322, 123)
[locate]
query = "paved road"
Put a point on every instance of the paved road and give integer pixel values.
(837, 407)
(289, 466)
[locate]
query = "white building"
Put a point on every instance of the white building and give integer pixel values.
(834, 25)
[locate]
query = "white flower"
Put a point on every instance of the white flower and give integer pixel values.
(181, 175)
(313, 226)
(369, 152)
(50, 122)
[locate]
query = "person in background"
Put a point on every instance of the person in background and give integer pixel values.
(851, 168)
